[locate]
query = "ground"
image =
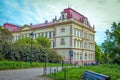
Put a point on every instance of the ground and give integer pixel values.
(23, 74)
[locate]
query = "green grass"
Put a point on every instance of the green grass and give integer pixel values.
(18, 65)
(76, 73)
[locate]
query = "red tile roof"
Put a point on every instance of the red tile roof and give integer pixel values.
(74, 14)
(11, 27)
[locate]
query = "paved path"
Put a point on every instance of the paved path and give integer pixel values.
(23, 74)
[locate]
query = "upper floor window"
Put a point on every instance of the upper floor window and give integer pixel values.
(74, 43)
(74, 32)
(63, 16)
(85, 45)
(80, 34)
(80, 44)
(62, 41)
(49, 34)
(77, 33)
(85, 35)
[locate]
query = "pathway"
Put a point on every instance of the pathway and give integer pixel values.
(23, 74)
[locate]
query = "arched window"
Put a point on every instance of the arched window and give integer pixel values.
(62, 29)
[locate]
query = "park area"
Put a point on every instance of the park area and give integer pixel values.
(76, 73)
(72, 72)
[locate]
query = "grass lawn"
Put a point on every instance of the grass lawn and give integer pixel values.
(17, 65)
(76, 73)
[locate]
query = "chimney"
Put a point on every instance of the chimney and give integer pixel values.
(30, 24)
(93, 26)
(46, 21)
(55, 18)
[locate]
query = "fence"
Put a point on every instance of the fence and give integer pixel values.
(54, 70)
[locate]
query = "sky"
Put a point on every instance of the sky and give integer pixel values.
(101, 13)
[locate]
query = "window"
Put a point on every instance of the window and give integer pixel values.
(38, 34)
(74, 32)
(62, 41)
(74, 43)
(85, 35)
(80, 44)
(62, 29)
(80, 34)
(46, 34)
(77, 44)
(80, 56)
(63, 16)
(49, 34)
(85, 45)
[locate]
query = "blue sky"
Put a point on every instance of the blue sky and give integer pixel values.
(100, 13)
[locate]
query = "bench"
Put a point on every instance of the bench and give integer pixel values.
(89, 75)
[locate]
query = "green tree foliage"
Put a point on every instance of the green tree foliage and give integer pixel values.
(111, 45)
(43, 41)
(21, 49)
(24, 40)
(5, 35)
(98, 53)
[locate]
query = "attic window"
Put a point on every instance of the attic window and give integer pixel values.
(63, 16)
(85, 21)
(62, 29)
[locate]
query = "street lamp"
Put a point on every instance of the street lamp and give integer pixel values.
(62, 63)
(31, 35)
(71, 55)
(1, 45)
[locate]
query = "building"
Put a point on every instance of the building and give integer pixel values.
(71, 36)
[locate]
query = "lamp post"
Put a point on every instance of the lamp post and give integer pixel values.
(71, 55)
(62, 63)
(31, 35)
(1, 45)
(46, 60)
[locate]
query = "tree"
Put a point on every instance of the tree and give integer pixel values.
(98, 53)
(5, 35)
(111, 45)
(43, 41)
(5, 39)
(24, 40)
